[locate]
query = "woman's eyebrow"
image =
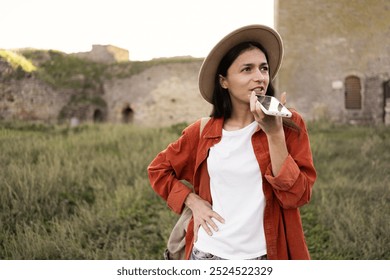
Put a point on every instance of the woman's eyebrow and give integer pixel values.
(252, 64)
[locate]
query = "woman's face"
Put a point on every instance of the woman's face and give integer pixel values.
(249, 72)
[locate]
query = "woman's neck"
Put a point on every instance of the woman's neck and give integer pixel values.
(238, 120)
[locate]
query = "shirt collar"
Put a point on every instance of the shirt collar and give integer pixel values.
(213, 129)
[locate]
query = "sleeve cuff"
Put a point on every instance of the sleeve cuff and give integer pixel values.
(287, 176)
(177, 196)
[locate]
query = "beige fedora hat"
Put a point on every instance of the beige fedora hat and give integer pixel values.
(264, 35)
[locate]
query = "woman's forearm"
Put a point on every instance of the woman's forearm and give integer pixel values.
(277, 150)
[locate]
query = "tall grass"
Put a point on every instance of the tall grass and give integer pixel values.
(80, 193)
(83, 193)
(349, 215)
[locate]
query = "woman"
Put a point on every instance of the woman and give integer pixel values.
(250, 171)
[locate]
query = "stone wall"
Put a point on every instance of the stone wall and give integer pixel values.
(159, 96)
(31, 99)
(326, 41)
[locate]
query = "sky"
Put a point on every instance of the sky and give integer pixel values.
(146, 28)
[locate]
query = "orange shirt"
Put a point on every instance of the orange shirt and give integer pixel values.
(185, 159)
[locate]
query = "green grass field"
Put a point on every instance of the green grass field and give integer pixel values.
(83, 193)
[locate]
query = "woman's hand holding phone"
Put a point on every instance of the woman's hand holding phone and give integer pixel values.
(273, 107)
(270, 124)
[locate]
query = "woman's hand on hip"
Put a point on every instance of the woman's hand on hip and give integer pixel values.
(203, 214)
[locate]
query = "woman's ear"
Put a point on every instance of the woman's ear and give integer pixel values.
(222, 82)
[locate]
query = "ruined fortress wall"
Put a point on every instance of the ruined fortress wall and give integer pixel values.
(162, 95)
(159, 96)
(30, 99)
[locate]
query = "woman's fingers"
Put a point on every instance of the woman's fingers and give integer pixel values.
(213, 225)
(283, 98)
(206, 228)
(253, 100)
(255, 107)
(196, 229)
(204, 216)
(208, 224)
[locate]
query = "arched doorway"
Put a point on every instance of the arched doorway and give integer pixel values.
(127, 114)
(353, 93)
(97, 116)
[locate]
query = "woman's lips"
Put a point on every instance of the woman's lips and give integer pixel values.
(258, 90)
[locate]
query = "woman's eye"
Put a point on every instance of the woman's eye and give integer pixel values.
(264, 69)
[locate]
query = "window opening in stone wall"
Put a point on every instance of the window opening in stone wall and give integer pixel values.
(386, 102)
(97, 116)
(387, 89)
(353, 93)
(127, 115)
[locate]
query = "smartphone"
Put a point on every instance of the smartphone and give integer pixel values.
(272, 106)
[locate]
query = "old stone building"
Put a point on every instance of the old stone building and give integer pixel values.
(337, 58)
(105, 54)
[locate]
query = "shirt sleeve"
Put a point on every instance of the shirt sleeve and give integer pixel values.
(173, 165)
(293, 185)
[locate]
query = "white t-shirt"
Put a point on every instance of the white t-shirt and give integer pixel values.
(237, 194)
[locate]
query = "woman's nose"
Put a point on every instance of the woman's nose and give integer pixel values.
(259, 76)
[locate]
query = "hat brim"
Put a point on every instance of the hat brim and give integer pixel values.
(264, 35)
